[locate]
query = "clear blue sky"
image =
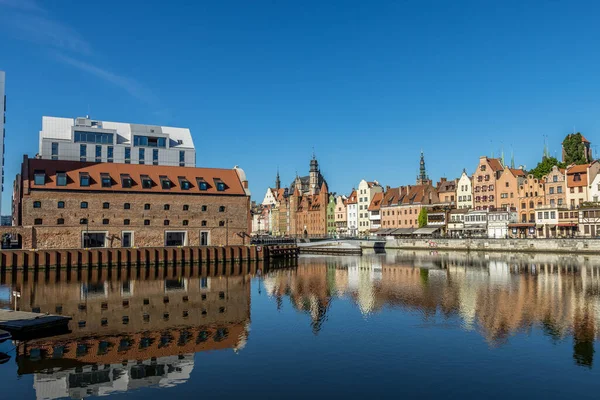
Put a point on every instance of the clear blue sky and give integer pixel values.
(259, 83)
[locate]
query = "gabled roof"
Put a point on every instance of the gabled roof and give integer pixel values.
(156, 173)
(352, 198)
(390, 198)
(578, 169)
(376, 202)
(517, 172)
(495, 164)
(448, 186)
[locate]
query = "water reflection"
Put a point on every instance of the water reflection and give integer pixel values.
(128, 331)
(497, 295)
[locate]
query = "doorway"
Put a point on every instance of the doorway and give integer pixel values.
(126, 239)
(175, 239)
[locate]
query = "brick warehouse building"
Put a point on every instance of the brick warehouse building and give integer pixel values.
(71, 204)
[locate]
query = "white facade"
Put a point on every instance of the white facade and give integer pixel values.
(352, 214)
(594, 191)
(546, 220)
(2, 129)
(464, 192)
(497, 223)
(365, 193)
(269, 199)
(83, 139)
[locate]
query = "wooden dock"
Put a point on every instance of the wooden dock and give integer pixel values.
(19, 322)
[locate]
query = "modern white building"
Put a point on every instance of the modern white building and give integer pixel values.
(366, 191)
(2, 129)
(84, 139)
(464, 192)
(498, 220)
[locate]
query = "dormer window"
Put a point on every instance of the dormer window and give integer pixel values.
(165, 183)
(126, 181)
(61, 179)
(106, 181)
(146, 182)
(577, 177)
(39, 178)
(202, 184)
(184, 183)
(220, 185)
(84, 179)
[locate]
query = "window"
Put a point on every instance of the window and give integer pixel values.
(106, 180)
(507, 184)
(572, 190)
(154, 156)
(146, 182)
(555, 178)
(204, 208)
(126, 221)
(203, 223)
(184, 183)
(221, 223)
(37, 221)
(61, 179)
(126, 206)
(202, 185)
(82, 152)
(166, 222)
(586, 229)
(60, 204)
(577, 177)
(166, 207)
(220, 186)
(98, 153)
(546, 215)
(84, 179)
(83, 204)
(105, 221)
(222, 209)
(181, 158)
(185, 222)
(126, 181)
(93, 137)
(146, 206)
(553, 214)
(146, 222)
(54, 151)
(165, 183)
(60, 221)
(37, 204)
(39, 178)
(560, 202)
(149, 141)
(106, 205)
(142, 154)
(551, 190)
(83, 221)
(127, 155)
(531, 204)
(559, 189)
(109, 154)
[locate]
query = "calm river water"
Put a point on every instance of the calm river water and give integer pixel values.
(398, 324)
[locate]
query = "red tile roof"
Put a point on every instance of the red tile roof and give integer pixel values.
(390, 198)
(156, 173)
(578, 168)
(495, 164)
(376, 202)
(517, 172)
(352, 198)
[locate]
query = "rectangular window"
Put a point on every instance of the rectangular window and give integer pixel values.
(54, 151)
(39, 178)
(202, 184)
(154, 156)
(184, 183)
(109, 153)
(546, 214)
(586, 229)
(555, 178)
(220, 185)
(146, 182)
(127, 155)
(142, 153)
(82, 152)
(553, 214)
(106, 180)
(61, 179)
(84, 179)
(165, 183)
(551, 191)
(93, 137)
(149, 141)
(126, 181)
(98, 153)
(559, 189)
(181, 158)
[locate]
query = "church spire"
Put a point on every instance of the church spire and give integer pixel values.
(546, 152)
(277, 181)
(422, 178)
(512, 159)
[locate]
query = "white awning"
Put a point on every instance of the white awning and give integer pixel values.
(426, 231)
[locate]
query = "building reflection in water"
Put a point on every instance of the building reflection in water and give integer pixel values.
(127, 332)
(497, 295)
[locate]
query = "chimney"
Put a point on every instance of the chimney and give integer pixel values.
(387, 188)
(442, 180)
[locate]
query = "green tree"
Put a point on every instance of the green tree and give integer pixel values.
(422, 218)
(574, 149)
(545, 166)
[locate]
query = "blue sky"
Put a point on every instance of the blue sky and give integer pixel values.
(259, 83)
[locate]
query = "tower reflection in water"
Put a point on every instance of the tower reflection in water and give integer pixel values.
(497, 295)
(127, 332)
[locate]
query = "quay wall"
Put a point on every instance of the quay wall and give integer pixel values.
(578, 245)
(145, 256)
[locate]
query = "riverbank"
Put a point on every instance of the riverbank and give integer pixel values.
(579, 245)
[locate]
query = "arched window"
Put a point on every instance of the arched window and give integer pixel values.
(106, 205)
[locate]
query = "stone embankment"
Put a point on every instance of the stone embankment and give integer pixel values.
(576, 246)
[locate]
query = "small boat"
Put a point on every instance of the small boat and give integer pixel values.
(4, 336)
(4, 358)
